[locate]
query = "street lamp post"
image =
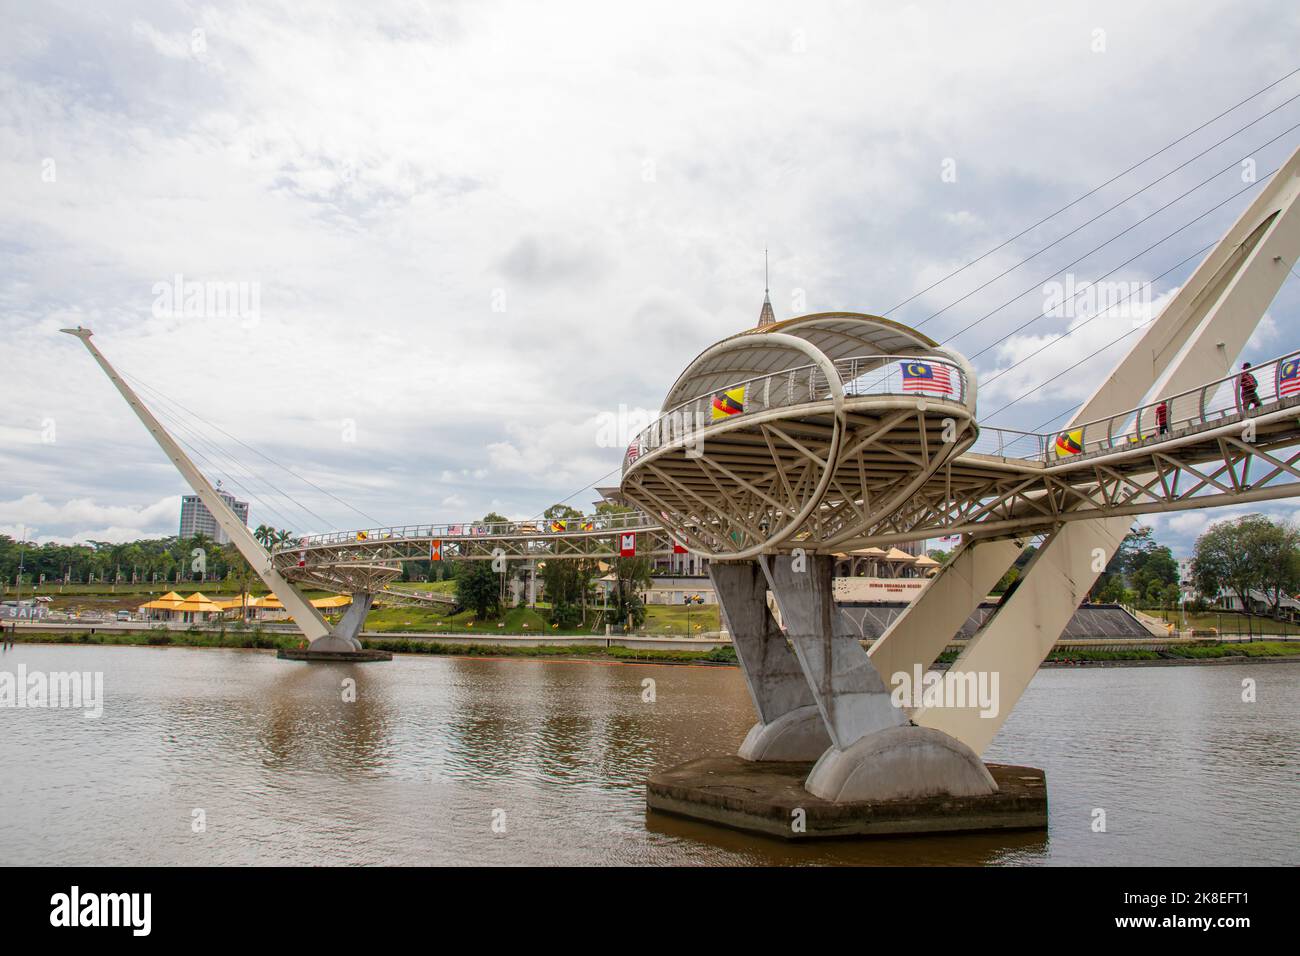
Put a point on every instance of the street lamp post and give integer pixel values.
(22, 552)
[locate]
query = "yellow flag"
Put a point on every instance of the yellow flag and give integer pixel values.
(728, 403)
(1069, 443)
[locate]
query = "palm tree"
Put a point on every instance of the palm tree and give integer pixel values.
(265, 535)
(283, 537)
(203, 543)
(242, 573)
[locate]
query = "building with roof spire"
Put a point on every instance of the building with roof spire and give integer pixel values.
(766, 316)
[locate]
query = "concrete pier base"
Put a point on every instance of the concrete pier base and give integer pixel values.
(769, 797)
(900, 762)
(342, 642)
(798, 734)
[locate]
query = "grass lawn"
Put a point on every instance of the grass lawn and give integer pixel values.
(519, 620)
(1202, 651)
(661, 620)
(439, 587)
(670, 619)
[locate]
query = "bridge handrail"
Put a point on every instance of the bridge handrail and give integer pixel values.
(1009, 443)
(1200, 405)
(1196, 406)
(473, 530)
(860, 375)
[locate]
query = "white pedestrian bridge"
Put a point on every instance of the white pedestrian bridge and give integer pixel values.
(781, 445)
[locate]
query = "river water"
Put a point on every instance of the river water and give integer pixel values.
(448, 760)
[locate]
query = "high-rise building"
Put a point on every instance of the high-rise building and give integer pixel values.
(197, 519)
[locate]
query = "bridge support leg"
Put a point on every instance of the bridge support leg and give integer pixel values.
(875, 752)
(1015, 641)
(918, 636)
(343, 635)
(790, 726)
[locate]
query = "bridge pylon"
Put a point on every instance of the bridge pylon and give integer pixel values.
(339, 642)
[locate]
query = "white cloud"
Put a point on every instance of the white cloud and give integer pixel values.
(29, 515)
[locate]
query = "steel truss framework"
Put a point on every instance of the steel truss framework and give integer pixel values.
(811, 480)
(823, 462)
(1245, 458)
(375, 562)
(1238, 458)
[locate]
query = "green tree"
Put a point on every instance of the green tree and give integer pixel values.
(631, 577)
(1276, 545)
(566, 581)
(478, 588)
(1249, 553)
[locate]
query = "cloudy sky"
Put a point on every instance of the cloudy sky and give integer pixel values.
(469, 238)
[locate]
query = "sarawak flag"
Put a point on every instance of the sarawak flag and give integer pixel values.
(559, 525)
(361, 536)
(588, 526)
(627, 545)
(1288, 378)
(678, 547)
(1069, 443)
(924, 377)
(435, 550)
(728, 403)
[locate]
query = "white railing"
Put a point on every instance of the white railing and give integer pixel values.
(476, 530)
(1009, 443)
(1207, 404)
(859, 376)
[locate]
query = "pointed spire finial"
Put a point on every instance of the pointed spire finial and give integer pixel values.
(766, 316)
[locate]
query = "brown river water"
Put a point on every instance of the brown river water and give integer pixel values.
(434, 750)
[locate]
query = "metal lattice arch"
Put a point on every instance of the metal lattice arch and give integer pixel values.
(801, 433)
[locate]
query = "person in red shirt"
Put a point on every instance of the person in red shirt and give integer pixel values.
(1249, 388)
(1162, 418)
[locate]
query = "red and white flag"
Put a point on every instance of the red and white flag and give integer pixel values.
(435, 550)
(926, 377)
(627, 544)
(678, 547)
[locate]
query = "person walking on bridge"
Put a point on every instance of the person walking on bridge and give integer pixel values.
(1162, 418)
(1249, 389)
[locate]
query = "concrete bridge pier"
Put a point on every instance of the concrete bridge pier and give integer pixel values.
(790, 725)
(342, 642)
(876, 752)
(343, 635)
(831, 756)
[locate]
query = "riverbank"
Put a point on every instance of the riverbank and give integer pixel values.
(262, 640)
(1173, 655)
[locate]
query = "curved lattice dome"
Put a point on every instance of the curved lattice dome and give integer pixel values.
(756, 352)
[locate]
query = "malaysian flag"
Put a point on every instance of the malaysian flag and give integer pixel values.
(633, 450)
(924, 377)
(1288, 378)
(455, 529)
